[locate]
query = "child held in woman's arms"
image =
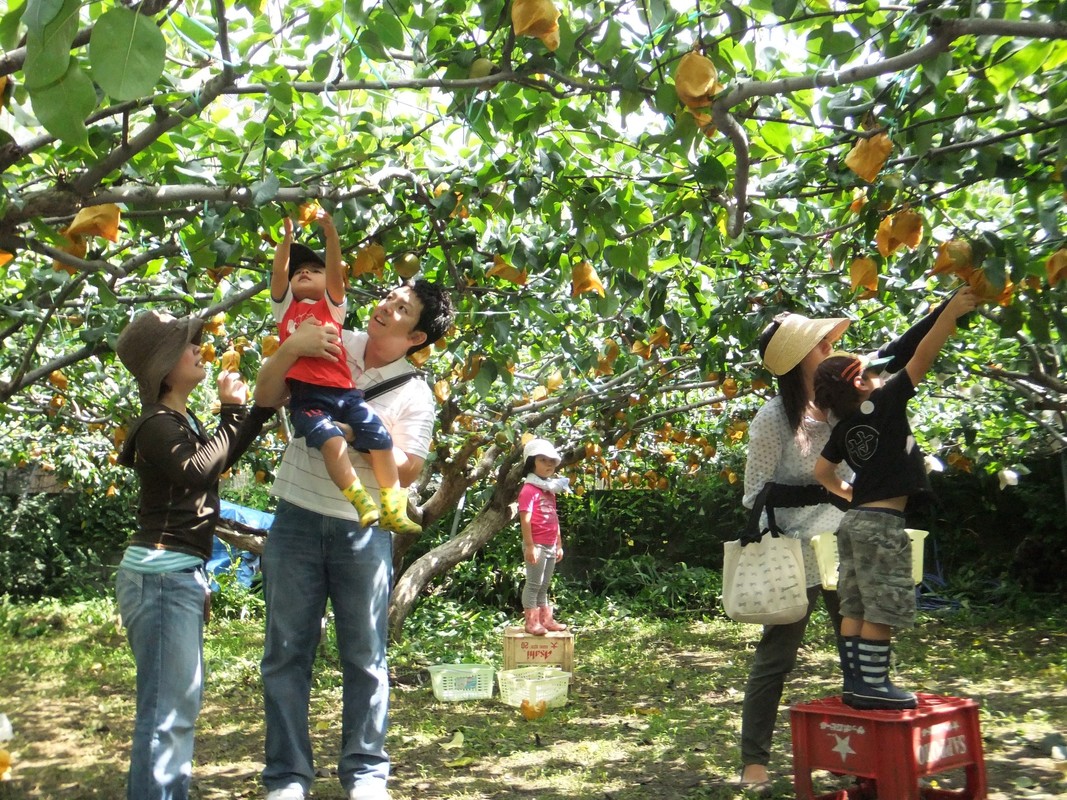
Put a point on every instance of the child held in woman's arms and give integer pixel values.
(872, 434)
(322, 392)
(542, 545)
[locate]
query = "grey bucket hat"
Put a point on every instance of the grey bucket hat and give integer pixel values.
(150, 346)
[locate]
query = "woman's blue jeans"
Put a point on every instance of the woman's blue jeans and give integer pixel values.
(164, 619)
(308, 559)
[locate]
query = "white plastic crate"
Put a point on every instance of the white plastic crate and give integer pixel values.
(825, 546)
(452, 682)
(534, 684)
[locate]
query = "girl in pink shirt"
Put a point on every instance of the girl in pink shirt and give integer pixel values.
(542, 546)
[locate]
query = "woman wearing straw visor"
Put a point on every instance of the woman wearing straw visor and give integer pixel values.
(785, 439)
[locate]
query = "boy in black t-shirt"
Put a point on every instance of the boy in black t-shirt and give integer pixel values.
(873, 435)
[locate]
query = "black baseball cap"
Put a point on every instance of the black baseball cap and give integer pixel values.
(300, 254)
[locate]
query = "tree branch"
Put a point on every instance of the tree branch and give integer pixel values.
(10, 388)
(944, 34)
(88, 180)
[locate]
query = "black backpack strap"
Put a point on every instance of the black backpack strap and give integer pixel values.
(389, 385)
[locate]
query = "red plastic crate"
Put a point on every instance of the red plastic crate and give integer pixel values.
(888, 750)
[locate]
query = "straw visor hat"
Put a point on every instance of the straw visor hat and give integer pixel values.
(796, 337)
(151, 345)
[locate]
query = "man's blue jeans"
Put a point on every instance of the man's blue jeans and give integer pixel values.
(164, 619)
(307, 559)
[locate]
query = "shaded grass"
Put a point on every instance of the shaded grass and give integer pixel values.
(653, 713)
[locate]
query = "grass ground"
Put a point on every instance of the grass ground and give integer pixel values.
(653, 713)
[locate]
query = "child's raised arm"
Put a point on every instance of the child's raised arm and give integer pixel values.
(920, 363)
(335, 268)
(279, 276)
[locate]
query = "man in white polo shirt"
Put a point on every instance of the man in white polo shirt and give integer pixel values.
(317, 550)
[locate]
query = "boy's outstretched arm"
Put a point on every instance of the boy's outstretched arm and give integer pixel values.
(279, 276)
(903, 347)
(920, 363)
(335, 268)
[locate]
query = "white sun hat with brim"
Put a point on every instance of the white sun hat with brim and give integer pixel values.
(540, 447)
(797, 336)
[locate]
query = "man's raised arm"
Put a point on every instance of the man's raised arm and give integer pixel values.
(310, 339)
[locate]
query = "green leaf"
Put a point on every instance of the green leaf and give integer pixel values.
(48, 45)
(126, 51)
(356, 11)
(611, 44)
(107, 296)
(1034, 56)
(784, 8)
(841, 46)
(922, 136)
(372, 44)
(630, 102)
(322, 66)
(265, 190)
(201, 34)
(389, 29)
(319, 25)
(9, 26)
(63, 106)
(711, 172)
(935, 69)
(1039, 324)
(1001, 77)
(666, 98)
(39, 13)
(778, 136)
(483, 381)
(565, 51)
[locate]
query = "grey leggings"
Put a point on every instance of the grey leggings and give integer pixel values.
(538, 576)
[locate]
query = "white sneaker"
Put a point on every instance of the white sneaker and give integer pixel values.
(368, 791)
(294, 791)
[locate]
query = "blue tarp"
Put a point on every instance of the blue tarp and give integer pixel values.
(225, 557)
(260, 520)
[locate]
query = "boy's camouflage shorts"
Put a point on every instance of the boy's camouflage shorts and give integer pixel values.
(874, 582)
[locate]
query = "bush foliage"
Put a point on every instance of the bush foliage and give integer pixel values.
(660, 549)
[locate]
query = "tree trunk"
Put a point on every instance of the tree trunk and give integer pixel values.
(456, 479)
(486, 524)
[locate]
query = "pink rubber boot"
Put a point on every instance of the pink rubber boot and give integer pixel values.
(533, 622)
(549, 623)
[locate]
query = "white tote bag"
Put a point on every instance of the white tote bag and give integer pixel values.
(763, 579)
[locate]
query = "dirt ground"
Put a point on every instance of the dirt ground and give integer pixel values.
(671, 735)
